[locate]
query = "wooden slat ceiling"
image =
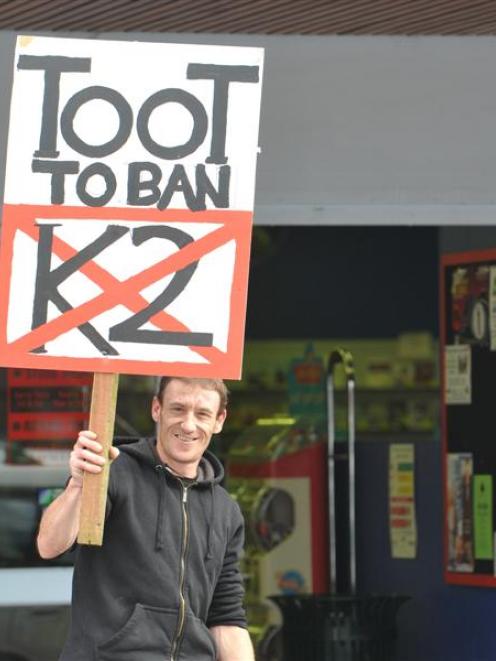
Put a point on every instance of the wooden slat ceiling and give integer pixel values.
(311, 17)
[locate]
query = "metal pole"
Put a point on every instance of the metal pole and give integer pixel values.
(351, 481)
(344, 357)
(331, 437)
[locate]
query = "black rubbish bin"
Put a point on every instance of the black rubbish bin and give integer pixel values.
(321, 627)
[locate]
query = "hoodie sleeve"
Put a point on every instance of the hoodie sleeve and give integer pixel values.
(227, 602)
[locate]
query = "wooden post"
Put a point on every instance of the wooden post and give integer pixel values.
(94, 496)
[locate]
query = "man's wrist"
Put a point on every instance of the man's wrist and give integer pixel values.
(74, 484)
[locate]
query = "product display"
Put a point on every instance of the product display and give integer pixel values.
(468, 331)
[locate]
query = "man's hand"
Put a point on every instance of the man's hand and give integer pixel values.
(233, 643)
(87, 456)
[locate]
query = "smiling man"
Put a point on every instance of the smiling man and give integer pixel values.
(166, 582)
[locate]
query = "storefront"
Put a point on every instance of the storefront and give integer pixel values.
(397, 403)
(356, 133)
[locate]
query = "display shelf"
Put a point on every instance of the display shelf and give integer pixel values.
(273, 392)
(398, 437)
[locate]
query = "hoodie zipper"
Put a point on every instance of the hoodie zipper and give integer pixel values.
(182, 600)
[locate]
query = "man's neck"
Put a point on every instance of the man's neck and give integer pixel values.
(181, 476)
(188, 471)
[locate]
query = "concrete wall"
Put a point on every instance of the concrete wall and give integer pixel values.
(364, 129)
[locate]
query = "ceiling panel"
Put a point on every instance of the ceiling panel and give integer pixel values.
(311, 17)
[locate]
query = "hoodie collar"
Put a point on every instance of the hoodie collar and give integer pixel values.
(210, 469)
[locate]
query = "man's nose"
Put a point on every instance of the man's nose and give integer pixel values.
(188, 422)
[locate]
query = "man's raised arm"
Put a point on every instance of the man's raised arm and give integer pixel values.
(59, 525)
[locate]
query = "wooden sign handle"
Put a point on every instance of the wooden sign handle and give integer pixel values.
(94, 496)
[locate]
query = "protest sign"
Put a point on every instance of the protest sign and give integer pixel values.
(128, 206)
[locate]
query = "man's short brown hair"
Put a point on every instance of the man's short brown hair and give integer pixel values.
(209, 384)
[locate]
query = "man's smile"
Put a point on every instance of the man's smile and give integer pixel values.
(185, 439)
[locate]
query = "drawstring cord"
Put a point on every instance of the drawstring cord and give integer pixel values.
(159, 536)
(210, 524)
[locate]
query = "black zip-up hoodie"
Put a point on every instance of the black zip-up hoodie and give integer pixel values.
(167, 569)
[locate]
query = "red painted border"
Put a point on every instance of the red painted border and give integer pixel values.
(453, 259)
(468, 257)
(478, 580)
(444, 443)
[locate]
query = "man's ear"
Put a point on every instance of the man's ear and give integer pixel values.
(156, 408)
(219, 422)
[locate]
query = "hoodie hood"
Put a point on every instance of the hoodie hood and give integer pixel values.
(210, 469)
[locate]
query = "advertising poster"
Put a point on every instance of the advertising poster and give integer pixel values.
(460, 512)
(128, 206)
(471, 305)
(458, 374)
(307, 385)
(483, 517)
(402, 517)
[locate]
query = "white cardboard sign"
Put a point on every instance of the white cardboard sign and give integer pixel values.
(128, 206)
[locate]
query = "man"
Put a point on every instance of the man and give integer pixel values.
(165, 584)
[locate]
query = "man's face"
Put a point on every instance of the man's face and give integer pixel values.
(186, 419)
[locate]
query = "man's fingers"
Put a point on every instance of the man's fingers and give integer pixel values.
(92, 457)
(87, 454)
(85, 440)
(86, 433)
(86, 466)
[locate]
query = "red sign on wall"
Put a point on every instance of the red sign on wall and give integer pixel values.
(46, 410)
